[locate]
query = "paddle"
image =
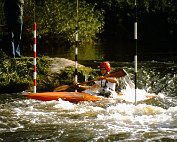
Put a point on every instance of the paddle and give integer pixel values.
(118, 73)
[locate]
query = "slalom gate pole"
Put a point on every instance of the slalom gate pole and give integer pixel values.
(34, 50)
(135, 58)
(34, 42)
(76, 48)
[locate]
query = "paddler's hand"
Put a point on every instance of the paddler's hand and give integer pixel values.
(77, 85)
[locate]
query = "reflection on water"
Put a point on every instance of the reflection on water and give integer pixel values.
(114, 52)
(23, 119)
(86, 52)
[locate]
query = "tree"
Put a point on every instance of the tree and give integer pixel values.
(56, 23)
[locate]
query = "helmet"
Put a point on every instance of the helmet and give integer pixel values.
(105, 65)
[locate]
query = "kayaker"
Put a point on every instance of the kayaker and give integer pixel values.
(105, 86)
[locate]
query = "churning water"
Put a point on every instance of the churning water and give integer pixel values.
(107, 120)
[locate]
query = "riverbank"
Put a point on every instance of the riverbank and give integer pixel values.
(16, 75)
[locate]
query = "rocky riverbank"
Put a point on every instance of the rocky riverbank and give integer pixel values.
(59, 64)
(16, 75)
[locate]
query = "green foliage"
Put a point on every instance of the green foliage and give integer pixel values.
(17, 74)
(84, 74)
(157, 25)
(56, 23)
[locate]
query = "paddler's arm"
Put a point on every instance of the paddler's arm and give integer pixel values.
(109, 79)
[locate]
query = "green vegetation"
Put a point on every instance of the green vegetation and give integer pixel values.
(109, 21)
(16, 75)
(56, 24)
(157, 25)
(84, 74)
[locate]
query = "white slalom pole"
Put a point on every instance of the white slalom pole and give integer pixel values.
(135, 58)
(76, 49)
(34, 42)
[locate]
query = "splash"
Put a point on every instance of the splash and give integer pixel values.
(128, 94)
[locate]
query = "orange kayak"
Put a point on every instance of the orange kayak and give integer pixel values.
(76, 97)
(73, 97)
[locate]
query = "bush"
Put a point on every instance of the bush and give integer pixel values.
(56, 23)
(17, 74)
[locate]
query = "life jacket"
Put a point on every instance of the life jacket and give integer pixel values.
(107, 88)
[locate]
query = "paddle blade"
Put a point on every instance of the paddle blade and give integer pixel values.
(118, 73)
(67, 88)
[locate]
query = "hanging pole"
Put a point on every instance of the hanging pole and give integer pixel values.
(76, 48)
(34, 50)
(135, 58)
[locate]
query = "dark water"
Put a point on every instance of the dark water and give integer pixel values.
(25, 120)
(114, 52)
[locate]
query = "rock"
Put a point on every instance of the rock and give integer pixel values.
(58, 64)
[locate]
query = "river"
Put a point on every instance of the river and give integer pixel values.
(25, 120)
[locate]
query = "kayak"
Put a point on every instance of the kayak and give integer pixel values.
(73, 97)
(76, 97)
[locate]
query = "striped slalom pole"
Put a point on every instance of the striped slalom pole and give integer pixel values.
(135, 58)
(76, 48)
(76, 55)
(34, 42)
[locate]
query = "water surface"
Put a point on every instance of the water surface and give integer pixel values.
(107, 120)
